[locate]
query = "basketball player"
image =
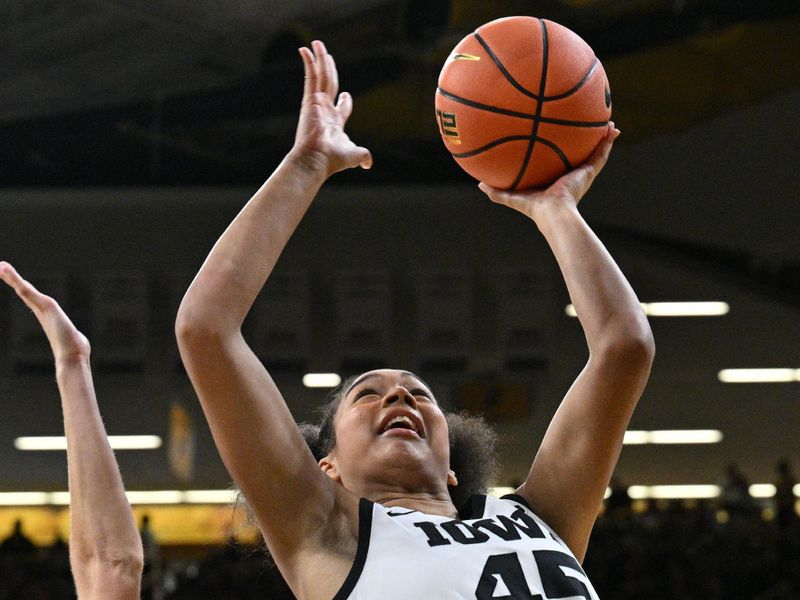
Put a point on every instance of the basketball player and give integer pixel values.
(373, 518)
(105, 550)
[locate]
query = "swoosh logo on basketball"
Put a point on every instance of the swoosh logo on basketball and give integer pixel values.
(460, 56)
(608, 98)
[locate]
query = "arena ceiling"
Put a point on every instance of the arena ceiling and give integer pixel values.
(117, 92)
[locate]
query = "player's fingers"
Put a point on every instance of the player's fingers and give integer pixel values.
(487, 189)
(580, 180)
(494, 194)
(501, 196)
(310, 76)
(600, 155)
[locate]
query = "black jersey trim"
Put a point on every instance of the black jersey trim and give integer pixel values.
(520, 499)
(365, 508)
(473, 508)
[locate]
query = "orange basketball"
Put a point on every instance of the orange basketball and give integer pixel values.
(521, 101)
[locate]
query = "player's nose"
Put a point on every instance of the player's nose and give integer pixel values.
(399, 395)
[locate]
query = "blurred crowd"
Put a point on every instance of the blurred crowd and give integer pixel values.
(734, 547)
(673, 550)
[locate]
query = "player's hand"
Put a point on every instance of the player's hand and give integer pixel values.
(567, 190)
(320, 140)
(65, 340)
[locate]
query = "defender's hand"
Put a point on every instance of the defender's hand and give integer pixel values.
(65, 340)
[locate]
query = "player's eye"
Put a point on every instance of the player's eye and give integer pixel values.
(421, 392)
(367, 391)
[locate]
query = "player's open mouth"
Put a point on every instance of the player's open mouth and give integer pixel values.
(401, 425)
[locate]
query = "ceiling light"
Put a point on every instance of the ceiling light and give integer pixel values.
(676, 309)
(117, 442)
(155, 497)
(225, 496)
(762, 490)
(210, 496)
(672, 436)
(23, 498)
(633, 437)
(641, 492)
(58, 498)
(686, 436)
(758, 375)
(686, 309)
(321, 380)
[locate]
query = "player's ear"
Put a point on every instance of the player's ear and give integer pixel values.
(452, 480)
(329, 467)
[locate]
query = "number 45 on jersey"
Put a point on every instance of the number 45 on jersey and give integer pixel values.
(504, 577)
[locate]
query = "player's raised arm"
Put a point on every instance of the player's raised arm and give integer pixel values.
(104, 545)
(251, 424)
(580, 449)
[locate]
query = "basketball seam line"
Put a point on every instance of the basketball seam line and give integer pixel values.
(539, 104)
(499, 64)
(481, 106)
(492, 144)
(554, 147)
(541, 98)
(512, 113)
(578, 85)
(551, 121)
(515, 138)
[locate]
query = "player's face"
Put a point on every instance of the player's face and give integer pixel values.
(389, 428)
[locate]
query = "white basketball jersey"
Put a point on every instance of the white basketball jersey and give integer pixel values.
(497, 550)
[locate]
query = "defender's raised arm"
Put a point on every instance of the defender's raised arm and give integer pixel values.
(104, 545)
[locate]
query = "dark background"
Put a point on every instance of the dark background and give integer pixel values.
(131, 133)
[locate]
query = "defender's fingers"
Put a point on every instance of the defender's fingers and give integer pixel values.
(345, 105)
(32, 297)
(365, 158)
(310, 79)
(10, 276)
(333, 83)
(5, 267)
(321, 66)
